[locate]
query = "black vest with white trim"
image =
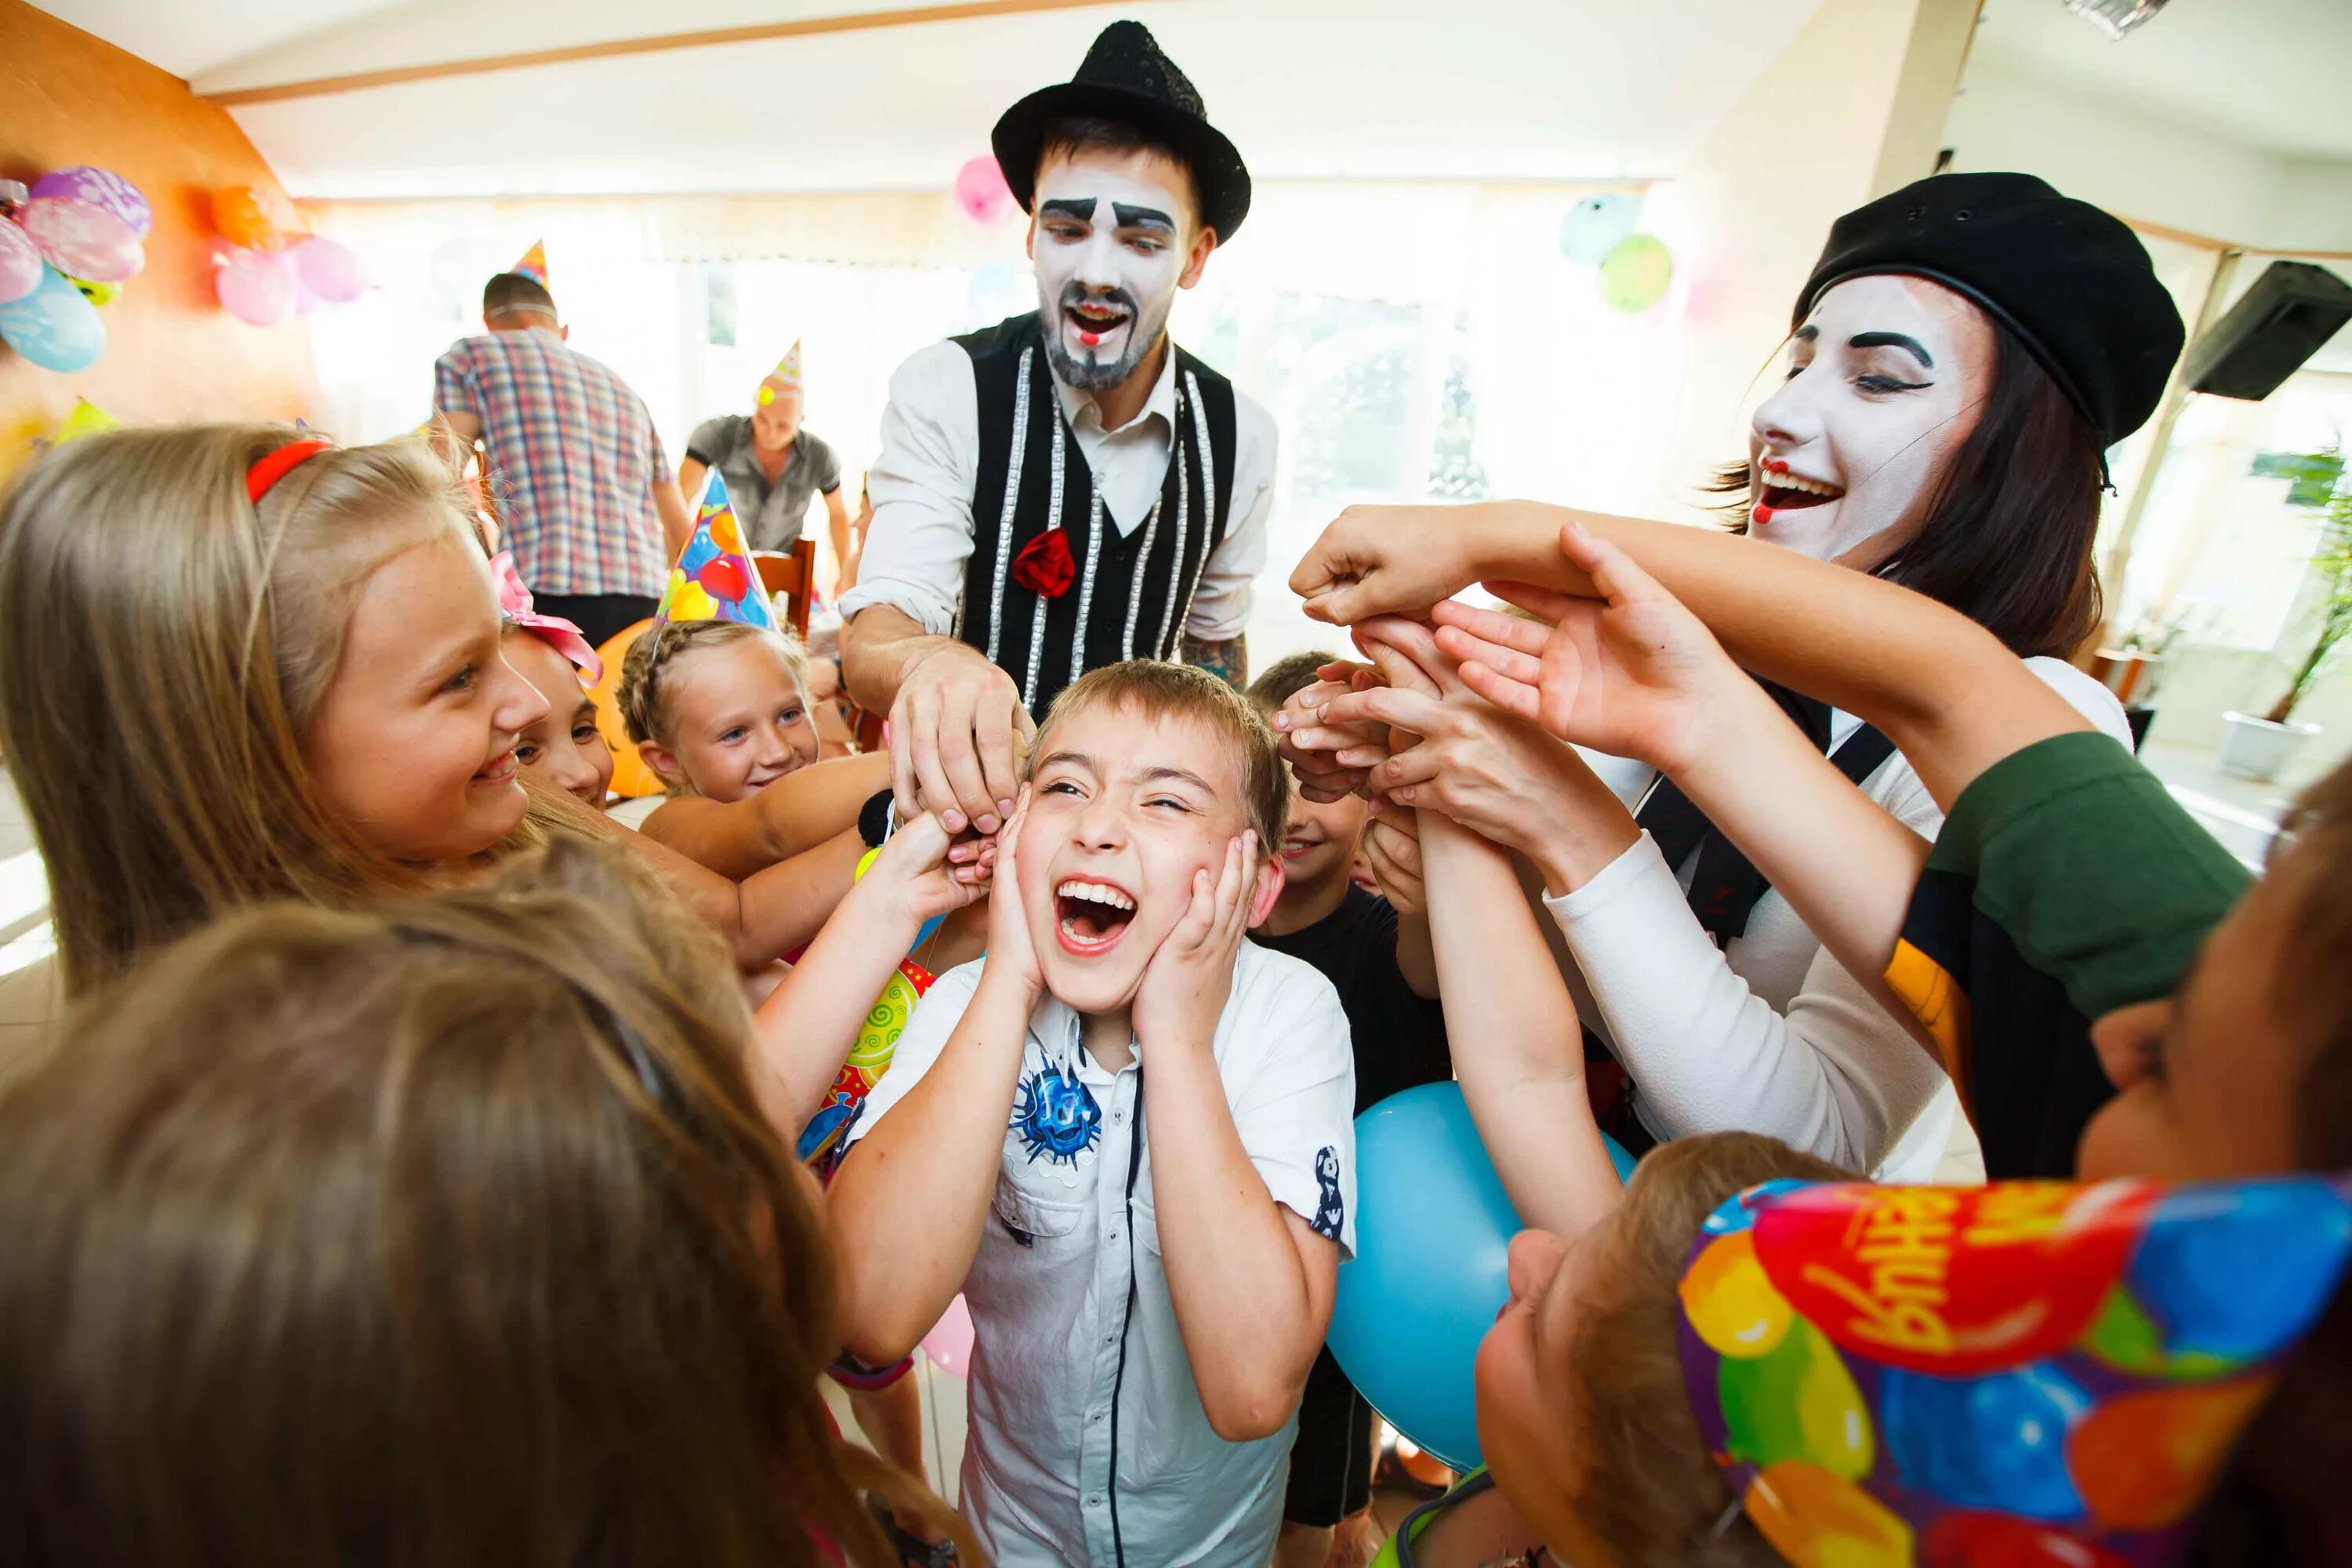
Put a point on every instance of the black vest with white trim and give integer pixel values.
(1133, 590)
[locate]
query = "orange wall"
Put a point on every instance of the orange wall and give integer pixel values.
(172, 352)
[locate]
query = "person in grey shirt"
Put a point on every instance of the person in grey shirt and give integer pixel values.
(771, 464)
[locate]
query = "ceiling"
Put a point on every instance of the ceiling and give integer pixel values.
(1498, 89)
(2275, 74)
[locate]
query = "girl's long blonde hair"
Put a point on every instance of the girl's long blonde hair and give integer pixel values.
(448, 1232)
(164, 643)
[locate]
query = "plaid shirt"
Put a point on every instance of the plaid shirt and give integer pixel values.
(573, 457)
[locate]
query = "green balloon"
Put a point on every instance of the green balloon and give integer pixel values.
(1797, 1403)
(1635, 272)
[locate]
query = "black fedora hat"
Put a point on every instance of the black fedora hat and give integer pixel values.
(1125, 78)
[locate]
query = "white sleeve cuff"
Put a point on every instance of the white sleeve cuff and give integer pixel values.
(1642, 867)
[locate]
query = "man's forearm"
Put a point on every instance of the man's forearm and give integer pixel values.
(796, 812)
(878, 646)
(906, 1209)
(1228, 660)
(1233, 1270)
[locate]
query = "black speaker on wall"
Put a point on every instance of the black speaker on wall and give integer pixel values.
(2285, 318)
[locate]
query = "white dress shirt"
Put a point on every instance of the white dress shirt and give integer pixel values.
(921, 535)
(1769, 1033)
(1075, 1345)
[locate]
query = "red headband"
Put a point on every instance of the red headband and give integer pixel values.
(273, 468)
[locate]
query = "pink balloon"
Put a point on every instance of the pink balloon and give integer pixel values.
(980, 190)
(305, 301)
(20, 263)
(254, 288)
(329, 270)
(82, 239)
(949, 1345)
(100, 188)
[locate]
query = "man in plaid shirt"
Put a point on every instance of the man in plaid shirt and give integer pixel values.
(583, 488)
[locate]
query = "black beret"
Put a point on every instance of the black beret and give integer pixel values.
(2070, 281)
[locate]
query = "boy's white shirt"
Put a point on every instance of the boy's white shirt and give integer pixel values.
(1066, 1327)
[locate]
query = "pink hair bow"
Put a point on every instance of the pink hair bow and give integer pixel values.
(514, 601)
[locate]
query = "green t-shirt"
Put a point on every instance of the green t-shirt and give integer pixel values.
(2066, 882)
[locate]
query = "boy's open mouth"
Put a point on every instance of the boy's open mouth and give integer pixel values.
(1090, 917)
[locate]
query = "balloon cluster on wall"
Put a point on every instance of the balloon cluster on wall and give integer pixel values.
(1633, 269)
(981, 192)
(270, 270)
(68, 244)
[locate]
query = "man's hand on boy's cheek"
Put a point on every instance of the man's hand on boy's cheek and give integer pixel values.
(1190, 974)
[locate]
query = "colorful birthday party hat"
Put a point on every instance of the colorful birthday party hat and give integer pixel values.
(2029, 1372)
(714, 579)
(533, 264)
(787, 373)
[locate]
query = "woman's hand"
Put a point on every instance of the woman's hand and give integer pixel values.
(1386, 559)
(1500, 776)
(1633, 673)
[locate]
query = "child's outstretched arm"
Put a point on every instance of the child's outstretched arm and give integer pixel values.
(1250, 1282)
(1635, 674)
(1510, 1020)
(796, 812)
(803, 1032)
(1952, 699)
(907, 1207)
(1392, 844)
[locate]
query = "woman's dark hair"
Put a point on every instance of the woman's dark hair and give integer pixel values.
(2008, 529)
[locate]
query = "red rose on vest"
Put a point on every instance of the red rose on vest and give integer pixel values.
(1043, 565)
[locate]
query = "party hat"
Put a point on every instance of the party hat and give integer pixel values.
(787, 373)
(2030, 1372)
(533, 264)
(714, 579)
(84, 418)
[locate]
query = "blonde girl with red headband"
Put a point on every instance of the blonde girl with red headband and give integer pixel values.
(295, 647)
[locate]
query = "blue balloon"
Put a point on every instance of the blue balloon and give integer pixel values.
(2239, 1271)
(1433, 1233)
(53, 326)
(1995, 1442)
(1594, 226)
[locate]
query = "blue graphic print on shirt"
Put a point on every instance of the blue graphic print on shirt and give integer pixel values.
(1056, 1116)
(1330, 1210)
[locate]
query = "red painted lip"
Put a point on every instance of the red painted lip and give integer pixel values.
(1762, 514)
(1774, 466)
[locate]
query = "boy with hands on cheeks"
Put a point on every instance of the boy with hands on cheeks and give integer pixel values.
(1144, 1325)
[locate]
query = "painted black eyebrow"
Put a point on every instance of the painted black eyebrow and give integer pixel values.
(1080, 207)
(1909, 345)
(1806, 333)
(1141, 217)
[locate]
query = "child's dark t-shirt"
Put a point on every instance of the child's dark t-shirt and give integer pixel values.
(1400, 1038)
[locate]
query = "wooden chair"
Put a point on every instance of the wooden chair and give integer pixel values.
(790, 575)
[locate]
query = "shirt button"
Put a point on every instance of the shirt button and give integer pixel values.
(1110, 1338)
(1094, 1501)
(1114, 1235)
(1095, 1418)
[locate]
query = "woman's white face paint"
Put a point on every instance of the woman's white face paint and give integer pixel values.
(1109, 249)
(1884, 380)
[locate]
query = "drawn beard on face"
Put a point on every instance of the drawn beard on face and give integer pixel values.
(1123, 332)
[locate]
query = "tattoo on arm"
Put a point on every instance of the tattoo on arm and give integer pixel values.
(1228, 660)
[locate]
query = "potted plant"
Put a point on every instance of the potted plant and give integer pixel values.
(2261, 748)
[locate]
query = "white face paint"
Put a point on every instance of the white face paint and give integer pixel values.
(1109, 249)
(1885, 379)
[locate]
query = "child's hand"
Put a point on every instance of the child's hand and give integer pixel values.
(1633, 673)
(916, 864)
(1310, 747)
(1186, 984)
(1011, 954)
(1392, 844)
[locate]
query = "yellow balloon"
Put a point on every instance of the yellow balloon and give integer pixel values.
(1731, 1303)
(1816, 1521)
